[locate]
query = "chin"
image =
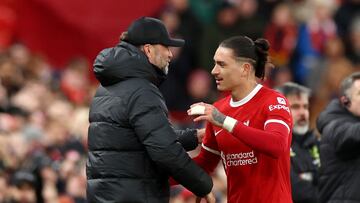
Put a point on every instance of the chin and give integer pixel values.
(301, 130)
(221, 88)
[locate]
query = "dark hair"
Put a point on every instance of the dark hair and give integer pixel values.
(291, 88)
(245, 47)
(124, 36)
(347, 83)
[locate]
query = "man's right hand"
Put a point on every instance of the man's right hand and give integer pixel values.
(210, 198)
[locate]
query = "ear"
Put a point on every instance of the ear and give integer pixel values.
(147, 50)
(247, 68)
(345, 101)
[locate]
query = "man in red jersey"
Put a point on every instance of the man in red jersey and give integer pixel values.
(250, 130)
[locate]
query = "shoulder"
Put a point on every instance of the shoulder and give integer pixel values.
(128, 88)
(143, 88)
(272, 97)
(275, 103)
(145, 95)
(223, 101)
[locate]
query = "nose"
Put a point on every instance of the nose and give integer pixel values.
(304, 112)
(215, 70)
(170, 53)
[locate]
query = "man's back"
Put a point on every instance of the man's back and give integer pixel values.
(339, 154)
(119, 168)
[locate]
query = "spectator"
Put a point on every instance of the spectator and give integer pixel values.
(305, 158)
(326, 79)
(354, 38)
(339, 125)
(225, 26)
(282, 34)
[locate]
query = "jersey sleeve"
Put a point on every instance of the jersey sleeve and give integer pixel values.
(277, 111)
(209, 142)
(209, 155)
(273, 139)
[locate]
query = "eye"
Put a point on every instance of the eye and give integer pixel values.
(219, 63)
(295, 107)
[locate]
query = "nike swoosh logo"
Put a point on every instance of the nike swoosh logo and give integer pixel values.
(247, 123)
(216, 133)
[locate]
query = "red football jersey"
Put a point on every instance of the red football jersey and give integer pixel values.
(256, 155)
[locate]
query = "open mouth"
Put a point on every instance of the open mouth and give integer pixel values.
(218, 80)
(302, 123)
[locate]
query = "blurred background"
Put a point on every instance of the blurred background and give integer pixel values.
(47, 48)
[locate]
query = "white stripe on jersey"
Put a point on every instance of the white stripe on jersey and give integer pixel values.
(210, 150)
(277, 121)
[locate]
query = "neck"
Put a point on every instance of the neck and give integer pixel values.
(243, 90)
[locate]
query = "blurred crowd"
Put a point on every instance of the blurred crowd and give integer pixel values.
(43, 128)
(44, 110)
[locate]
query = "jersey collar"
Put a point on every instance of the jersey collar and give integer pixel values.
(247, 98)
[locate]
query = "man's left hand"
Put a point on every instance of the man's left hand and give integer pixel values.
(210, 114)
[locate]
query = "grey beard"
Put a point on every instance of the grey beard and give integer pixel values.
(300, 130)
(166, 69)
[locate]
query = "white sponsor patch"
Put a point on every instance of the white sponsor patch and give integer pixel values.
(281, 100)
(239, 159)
(279, 107)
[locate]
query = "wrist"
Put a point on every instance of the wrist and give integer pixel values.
(229, 123)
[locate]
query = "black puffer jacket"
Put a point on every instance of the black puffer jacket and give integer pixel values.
(132, 146)
(305, 162)
(339, 154)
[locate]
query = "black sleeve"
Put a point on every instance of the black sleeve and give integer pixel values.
(303, 191)
(346, 136)
(187, 138)
(148, 117)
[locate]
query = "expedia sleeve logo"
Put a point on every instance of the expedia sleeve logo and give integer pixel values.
(279, 107)
(281, 100)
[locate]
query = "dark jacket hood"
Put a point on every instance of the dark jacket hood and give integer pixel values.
(333, 111)
(123, 62)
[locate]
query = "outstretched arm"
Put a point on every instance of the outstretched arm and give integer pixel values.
(154, 131)
(273, 140)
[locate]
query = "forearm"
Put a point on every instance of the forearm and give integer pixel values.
(272, 141)
(207, 160)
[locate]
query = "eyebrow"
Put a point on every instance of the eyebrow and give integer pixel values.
(221, 63)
